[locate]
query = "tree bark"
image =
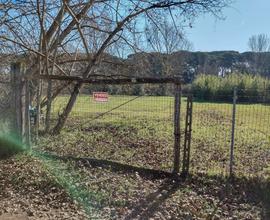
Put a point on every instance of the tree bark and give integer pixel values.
(63, 117)
(55, 94)
(39, 92)
(49, 107)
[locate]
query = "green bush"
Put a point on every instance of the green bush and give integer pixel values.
(9, 146)
(251, 88)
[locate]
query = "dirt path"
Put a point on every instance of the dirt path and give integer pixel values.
(33, 188)
(22, 216)
(28, 192)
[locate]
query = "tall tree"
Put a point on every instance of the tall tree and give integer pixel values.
(164, 37)
(52, 32)
(259, 44)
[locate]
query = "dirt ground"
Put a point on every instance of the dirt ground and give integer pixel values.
(27, 191)
(31, 189)
(22, 216)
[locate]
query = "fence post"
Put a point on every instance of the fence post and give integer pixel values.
(27, 115)
(233, 131)
(187, 140)
(177, 106)
(20, 103)
(16, 83)
(265, 92)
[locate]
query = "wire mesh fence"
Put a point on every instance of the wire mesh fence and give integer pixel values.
(5, 108)
(134, 129)
(252, 134)
(137, 128)
(134, 125)
(212, 134)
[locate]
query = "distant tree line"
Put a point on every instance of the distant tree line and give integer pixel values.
(206, 87)
(186, 64)
(133, 90)
(189, 65)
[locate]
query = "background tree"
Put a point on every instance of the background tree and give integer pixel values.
(259, 44)
(164, 37)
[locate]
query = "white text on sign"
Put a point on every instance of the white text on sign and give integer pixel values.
(101, 96)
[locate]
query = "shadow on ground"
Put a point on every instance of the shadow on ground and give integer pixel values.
(236, 191)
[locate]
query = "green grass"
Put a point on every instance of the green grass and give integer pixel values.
(141, 133)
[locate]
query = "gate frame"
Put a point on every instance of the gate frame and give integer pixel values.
(176, 81)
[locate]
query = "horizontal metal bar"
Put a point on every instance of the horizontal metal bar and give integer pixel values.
(139, 80)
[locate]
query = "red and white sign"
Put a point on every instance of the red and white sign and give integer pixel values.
(101, 96)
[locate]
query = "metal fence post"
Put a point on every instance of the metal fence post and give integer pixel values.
(265, 92)
(233, 131)
(177, 106)
(187, 140)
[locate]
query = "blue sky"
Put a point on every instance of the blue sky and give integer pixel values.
(243, 19)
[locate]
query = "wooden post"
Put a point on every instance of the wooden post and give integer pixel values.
(233, 131)
(20, 104)
(16, 83)
(27, 115)
(177, 106)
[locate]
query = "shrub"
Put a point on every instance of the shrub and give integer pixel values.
(9, 146)
(251, 88)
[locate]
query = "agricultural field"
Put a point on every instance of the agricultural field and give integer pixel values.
(98, 167)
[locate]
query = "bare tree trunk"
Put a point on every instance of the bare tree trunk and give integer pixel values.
(63, 117)
(49, 95)
(39, 93)
(55, 94)
(49, 107)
